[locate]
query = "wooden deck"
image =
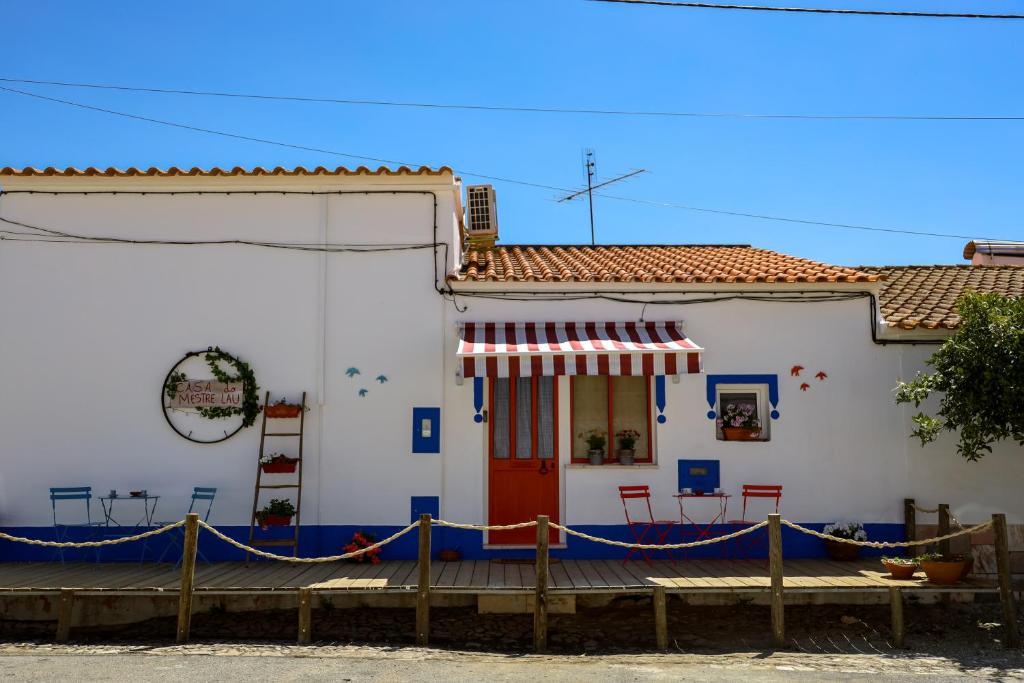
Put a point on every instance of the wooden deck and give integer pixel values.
(472, 576)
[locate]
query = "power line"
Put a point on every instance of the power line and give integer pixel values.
(518, 109)
(671, 205)
(818, 10)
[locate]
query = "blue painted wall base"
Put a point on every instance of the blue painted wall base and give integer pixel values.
(328, 540)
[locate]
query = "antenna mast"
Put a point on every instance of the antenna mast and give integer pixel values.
(589, 165)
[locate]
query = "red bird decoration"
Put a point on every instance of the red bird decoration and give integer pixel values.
(795, 370)
(821, 375)
(805, 386)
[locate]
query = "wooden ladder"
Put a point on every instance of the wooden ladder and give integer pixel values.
(297, 484)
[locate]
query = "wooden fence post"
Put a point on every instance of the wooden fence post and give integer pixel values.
(540, 593)
(660, 618)
(910, 526)
(64, 614)
(896, 612)
(188, 575)
(305, 616)
(1005, 586)
(423, 583)
(775, 566)
(943, 528)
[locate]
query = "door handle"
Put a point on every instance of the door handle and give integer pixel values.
(543, 467)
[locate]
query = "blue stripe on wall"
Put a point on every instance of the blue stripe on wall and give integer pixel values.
(328, 540)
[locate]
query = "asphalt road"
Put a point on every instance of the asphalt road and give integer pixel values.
(231, 663)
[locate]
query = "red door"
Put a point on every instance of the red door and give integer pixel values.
(523, 457)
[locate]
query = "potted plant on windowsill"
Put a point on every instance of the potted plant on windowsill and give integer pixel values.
(282, 409)
(276, 513)
(278, 463)
(845, 552)
(627, 439)
(945, 570)
(739, 422)
(596, 439)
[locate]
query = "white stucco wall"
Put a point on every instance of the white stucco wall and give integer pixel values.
(87, 333)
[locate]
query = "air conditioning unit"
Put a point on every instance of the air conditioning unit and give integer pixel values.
(481, 215)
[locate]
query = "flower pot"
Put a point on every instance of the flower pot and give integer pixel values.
(740, 433)
(449, 556)
(282, 410)
(596, 456)
(279, 467)
(942, 572)
(900, 571)
(843, 552)
(276, 520)
(626, 456)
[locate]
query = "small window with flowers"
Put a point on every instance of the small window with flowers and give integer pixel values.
(742, 413)
(611, 420)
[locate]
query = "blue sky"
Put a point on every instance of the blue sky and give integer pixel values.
(963, 178)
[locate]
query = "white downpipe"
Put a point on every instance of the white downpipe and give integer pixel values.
(321, 356)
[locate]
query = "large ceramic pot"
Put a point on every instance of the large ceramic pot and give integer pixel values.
(844, 552)
(944, 572)
(740, 433)
(626, 456)
(596, 456)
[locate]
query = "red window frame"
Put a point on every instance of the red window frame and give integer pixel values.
(609, 455)
(513, 388)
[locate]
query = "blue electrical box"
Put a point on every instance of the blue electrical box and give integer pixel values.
(426, 430)
(424, 505)
(699, 475)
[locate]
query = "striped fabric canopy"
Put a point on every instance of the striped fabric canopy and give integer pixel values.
(546, 349)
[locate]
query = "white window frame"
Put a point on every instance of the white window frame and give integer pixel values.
(763, 407)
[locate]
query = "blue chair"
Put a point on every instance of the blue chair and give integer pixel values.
(199, 493)
(62, 530)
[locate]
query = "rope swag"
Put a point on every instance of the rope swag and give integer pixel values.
(250, 407)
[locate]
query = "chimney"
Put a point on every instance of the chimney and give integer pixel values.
(984, 253)
(481, 216)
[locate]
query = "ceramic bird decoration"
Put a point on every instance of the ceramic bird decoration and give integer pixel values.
(352, 372)
(795, 370)
(821, 375)
(382, 378)
(363, 392)
(805, 386)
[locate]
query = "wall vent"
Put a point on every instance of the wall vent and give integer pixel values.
(481, 215)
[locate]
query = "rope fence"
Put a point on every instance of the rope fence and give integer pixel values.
(92, 544)
(886, 544)
(661, 546)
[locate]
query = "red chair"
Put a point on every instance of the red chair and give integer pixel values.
(769, 491)
(640, 528)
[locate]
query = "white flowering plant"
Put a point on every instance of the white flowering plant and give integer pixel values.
(852, 530)
(739, 415)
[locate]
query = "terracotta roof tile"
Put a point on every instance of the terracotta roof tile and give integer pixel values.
(642, 263)
(925, 296)
(174, 171)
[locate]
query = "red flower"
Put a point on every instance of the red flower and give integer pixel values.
(374, 559)
(351, 548)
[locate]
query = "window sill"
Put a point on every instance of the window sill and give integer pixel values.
(611, 466)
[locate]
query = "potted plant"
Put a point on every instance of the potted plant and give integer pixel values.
(278, 463)
(627, 440)
(283, 409)
(739, 422)
(450, 555)
(596, 440)
(837, 550)
(363, 539)
(276, 513)
(900, 567)
(944, 570)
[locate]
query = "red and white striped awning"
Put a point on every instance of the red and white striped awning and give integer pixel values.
(551, 349)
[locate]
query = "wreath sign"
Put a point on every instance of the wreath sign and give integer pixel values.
(215, 357)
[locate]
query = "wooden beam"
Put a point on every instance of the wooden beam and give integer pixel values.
(305, 616)
(188, 575)
(775, 567)
(943, 528)
(896, 611)
(660, 618)
(540, 604)
(64, 614)
(910, 525)
(1012, 638)
(423, 583)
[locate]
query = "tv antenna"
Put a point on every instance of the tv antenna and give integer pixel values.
(589, 166)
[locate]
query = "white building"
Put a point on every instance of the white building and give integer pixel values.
(355, 287)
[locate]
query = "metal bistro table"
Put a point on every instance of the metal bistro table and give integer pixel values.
(700, 530)
(145, 522)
